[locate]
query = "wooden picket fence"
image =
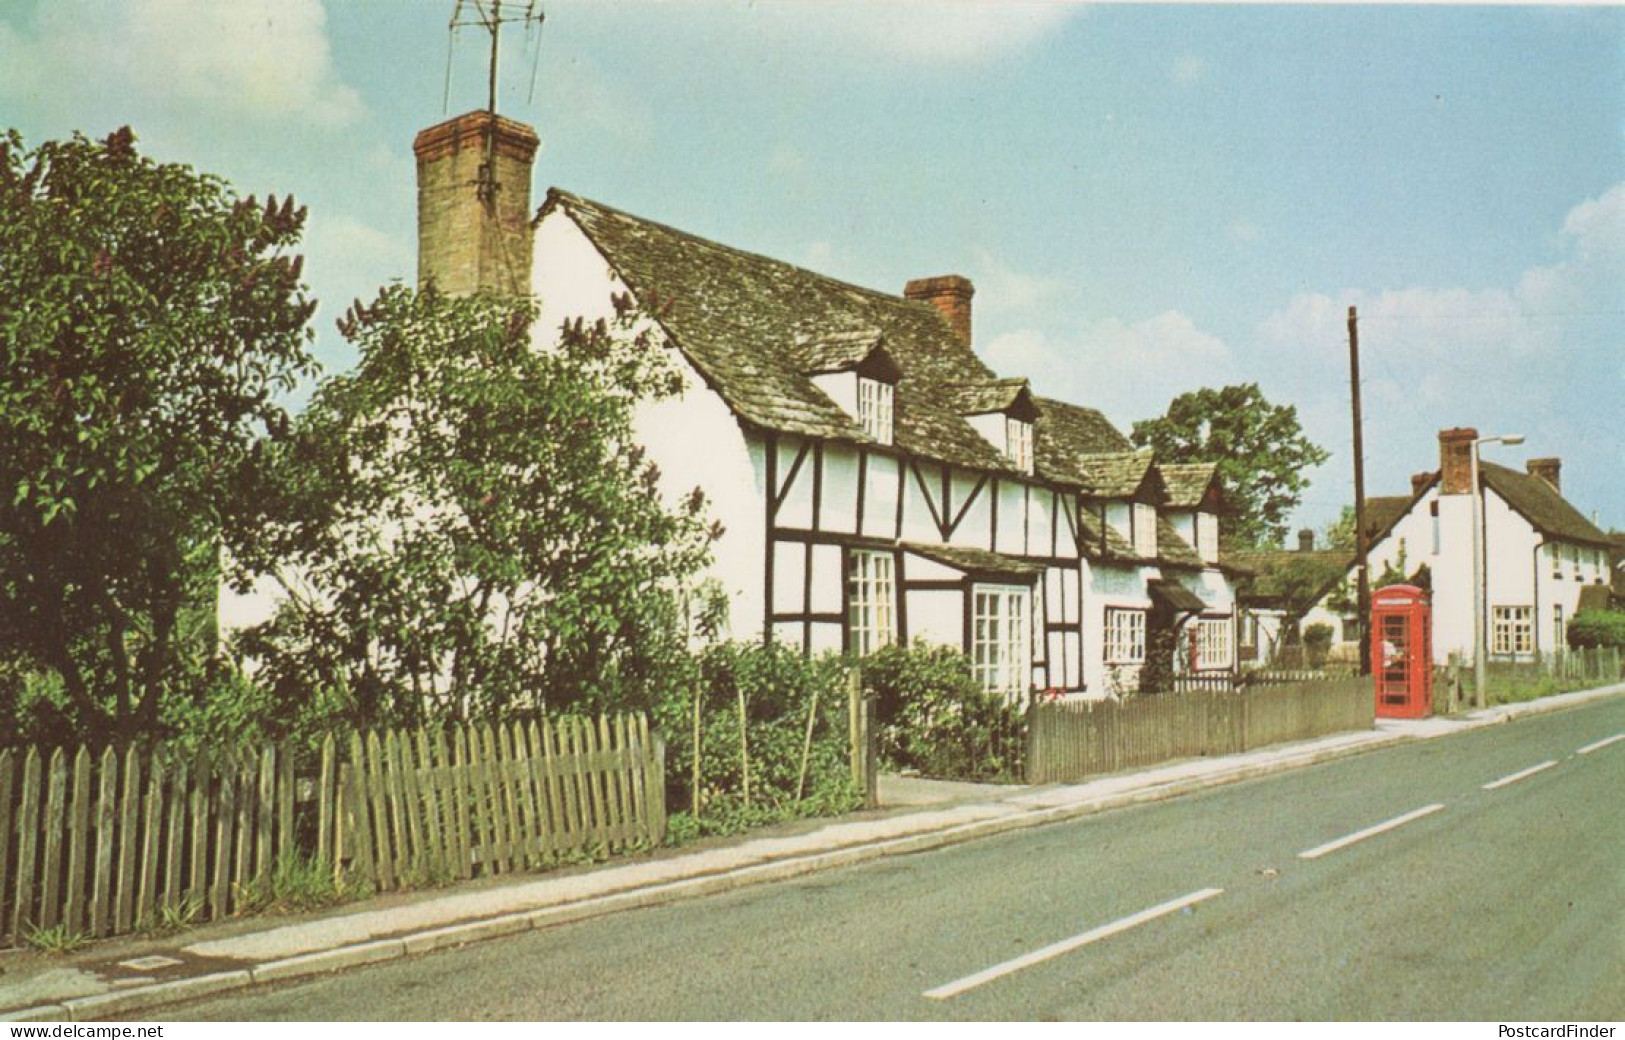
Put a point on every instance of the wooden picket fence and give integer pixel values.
(108, 842)
(103, 844)
(491, 800)
(1069, 740)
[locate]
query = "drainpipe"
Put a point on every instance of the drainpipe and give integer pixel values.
(1535, 621)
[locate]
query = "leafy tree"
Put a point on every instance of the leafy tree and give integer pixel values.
(1260, 449)
(1339, 534)
(148, 319)
(464, 525)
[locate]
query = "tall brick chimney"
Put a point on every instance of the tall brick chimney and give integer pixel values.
(1455, 460)
(474, 219)
(1420, 481)
(1306, 540)
(950, 294)
(1549, 470)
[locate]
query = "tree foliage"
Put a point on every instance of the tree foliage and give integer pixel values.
(464, 525)
(1260, 448)
(148, 319)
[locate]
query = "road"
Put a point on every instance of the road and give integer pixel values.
(1445, 879)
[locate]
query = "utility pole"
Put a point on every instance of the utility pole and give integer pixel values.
(1363, 595)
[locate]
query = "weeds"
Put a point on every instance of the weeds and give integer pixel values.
(56, 940)
(296, 883)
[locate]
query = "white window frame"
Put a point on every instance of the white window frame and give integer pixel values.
(1001, 638)
(1214, 648)
(1207, 537)
(1143, 528)
(871, 599)
(875, 408)
(1125, 635)
(1512, 630)
(1560, 631)
(1018, 442)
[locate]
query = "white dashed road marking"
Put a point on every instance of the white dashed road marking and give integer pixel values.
(1520, 774)
(1370, 832)
(1599, 745)
(1105, 931)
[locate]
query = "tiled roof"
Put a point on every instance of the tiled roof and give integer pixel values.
(1173, 594)
(1068, 432)
(1115, 475)
(975, 561)
(994, 395)
(1174, 551)
(1188, 482)
(1540, 504)
(835, 350)
(1595, 597)
(1101, 543)
(734, 315)
(1383, 512)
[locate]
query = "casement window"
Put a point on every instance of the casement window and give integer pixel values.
(1556, 551)
(871, 597)
(1574, 559)
(875, 408)
(1560, 631)
(1144, 526)
(1512, 630)
(1018, 442)
(1125, 636)
(1213, 644)
(1001, 640)
(1207, 537)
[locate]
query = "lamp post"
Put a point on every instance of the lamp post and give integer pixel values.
(1480, 657)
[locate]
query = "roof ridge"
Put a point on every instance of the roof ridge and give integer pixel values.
(572, 198)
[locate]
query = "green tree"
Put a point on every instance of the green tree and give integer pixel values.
(149, 318)
(464, 525)
(1339, 534)
(1260, 449)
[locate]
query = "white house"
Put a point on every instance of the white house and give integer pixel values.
(1540, 554)
(876, 481)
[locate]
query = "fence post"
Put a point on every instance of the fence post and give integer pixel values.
(694, 786)
(655, 787)
(854, 722)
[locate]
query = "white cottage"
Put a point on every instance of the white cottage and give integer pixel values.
(1542, 558)
(876, 481)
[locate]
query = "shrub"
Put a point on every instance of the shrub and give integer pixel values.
(778, 687)
(1597, 628)
(934, 718)
(1317, 642)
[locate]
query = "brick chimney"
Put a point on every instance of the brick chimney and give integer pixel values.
(1420, 481)
(1549, 470)
(1455, 460)
(474, 203)
(950, 294)
(1306, 540)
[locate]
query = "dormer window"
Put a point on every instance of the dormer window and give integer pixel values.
(1018, 443)
(875, 408)
(1144, 526)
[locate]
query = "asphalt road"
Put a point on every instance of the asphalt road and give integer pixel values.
(1505, 903)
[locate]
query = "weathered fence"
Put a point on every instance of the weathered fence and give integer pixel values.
(1547, 672)
(104, 843)
(491, 800)
(1069, 740)
(107, 842)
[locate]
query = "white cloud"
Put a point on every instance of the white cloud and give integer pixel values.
(1129, 370)
(960, 31)
(1004, 290)
(265, 61)
(1243, 232)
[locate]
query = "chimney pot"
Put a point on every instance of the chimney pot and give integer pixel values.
(950, 294)
(1306, 540)
(1455, 460)
(473, 222)
(1549, 470)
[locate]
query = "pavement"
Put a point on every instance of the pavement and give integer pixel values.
(124, 977)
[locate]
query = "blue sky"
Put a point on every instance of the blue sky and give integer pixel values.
(1149, 199)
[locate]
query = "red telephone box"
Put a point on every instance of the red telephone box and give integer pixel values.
(1402, 652)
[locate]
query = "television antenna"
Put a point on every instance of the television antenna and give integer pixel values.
(492, 15)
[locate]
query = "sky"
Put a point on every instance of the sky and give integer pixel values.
(1149, 199)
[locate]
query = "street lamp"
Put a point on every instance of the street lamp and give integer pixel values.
(1480, 657)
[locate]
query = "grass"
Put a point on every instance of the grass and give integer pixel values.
(56, 940)
(296, 883)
